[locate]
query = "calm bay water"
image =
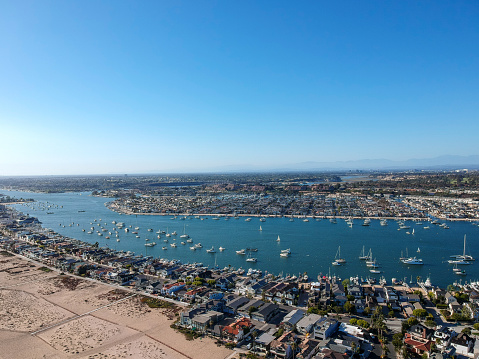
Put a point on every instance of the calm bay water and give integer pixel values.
(313, 244)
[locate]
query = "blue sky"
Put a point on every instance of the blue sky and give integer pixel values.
(93, 87)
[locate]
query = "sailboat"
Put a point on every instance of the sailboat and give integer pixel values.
(277, 240)
(251, 259)
(338, 260)
(184, 235)
(260, 229)
(463, 256)
(373, 268)
(364, 256)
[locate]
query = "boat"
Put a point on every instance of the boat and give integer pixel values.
(241, 251)
(364, 256)
(183, 243)
(193, 248)
(262, 219)
(221, 249)
(184, 235)
(211, 250)
(173, 245)
(305, 220)
(198, 245)
(460, 272)
(284, 254)
(413, 261)
(375, 271)
(463, 256)
(260, 229)
(278, 239)
(151, 244)
(247, 219)
(418, 250)
(251, 259)
(338, 256)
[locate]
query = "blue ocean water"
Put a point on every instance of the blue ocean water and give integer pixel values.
(313, 244)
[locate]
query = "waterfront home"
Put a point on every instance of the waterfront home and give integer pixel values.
(202, 322)
(225, 282)
(153, 287)
(450, 298)
(236, 331)
(338, 289)
(187, 316)
(172, 288)
(355, 291)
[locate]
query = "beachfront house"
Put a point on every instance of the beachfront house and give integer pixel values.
(170, 289)
(236, 331)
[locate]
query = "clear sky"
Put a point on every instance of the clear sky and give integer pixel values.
(91, 87)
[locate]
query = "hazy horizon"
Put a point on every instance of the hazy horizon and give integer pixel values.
(126, 87)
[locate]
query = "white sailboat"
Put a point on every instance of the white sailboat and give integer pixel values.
(278, 239)
(260, 229)
(184, 235)
(338, 260)
(463, 256)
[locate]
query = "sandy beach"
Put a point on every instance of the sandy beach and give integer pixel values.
(45, 315)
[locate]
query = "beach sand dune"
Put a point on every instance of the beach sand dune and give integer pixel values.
(33, 299)
(84, 334)
(141, 348)
(21, 311)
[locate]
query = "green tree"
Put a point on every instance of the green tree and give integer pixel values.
(349, 307)
(419, 313)
(353, 321)
(363, 324)
(398, 341)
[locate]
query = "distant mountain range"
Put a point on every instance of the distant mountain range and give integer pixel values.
(442, 162)
(447, 162)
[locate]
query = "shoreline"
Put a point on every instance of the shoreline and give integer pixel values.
(223, 215)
